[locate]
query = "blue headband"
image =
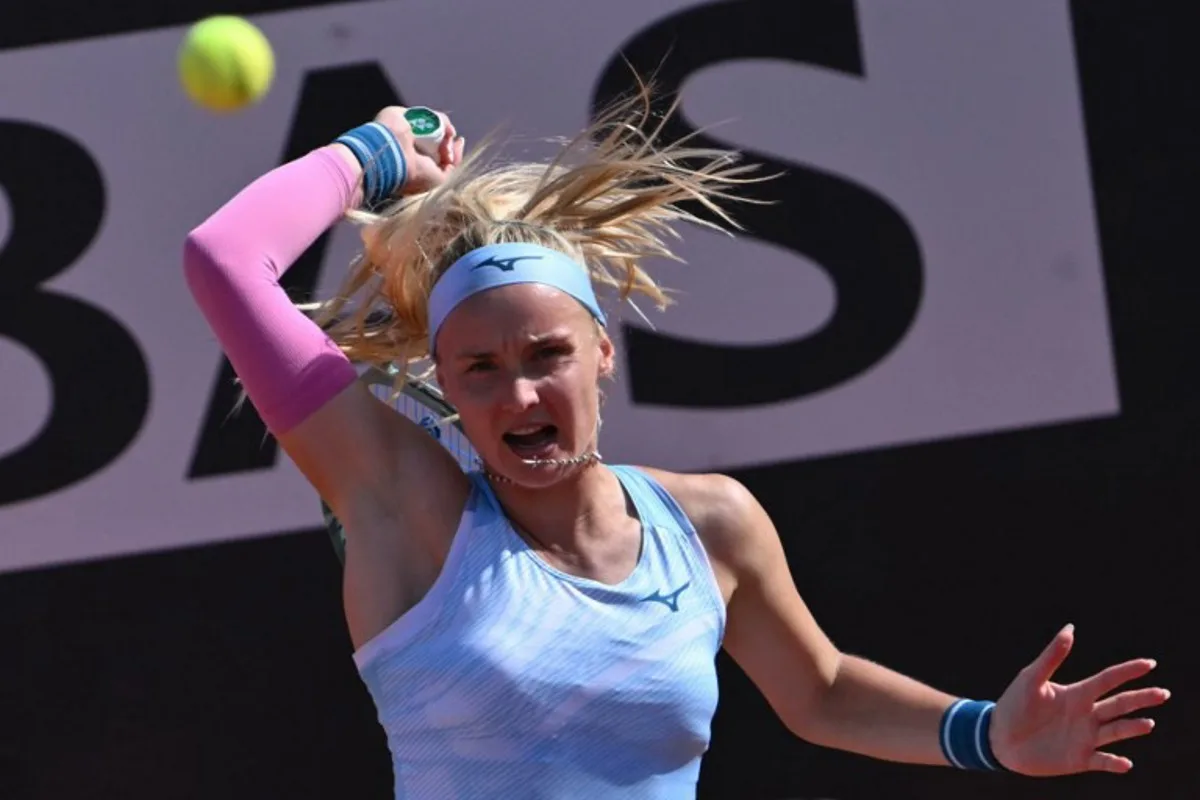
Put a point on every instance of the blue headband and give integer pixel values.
(503, 265)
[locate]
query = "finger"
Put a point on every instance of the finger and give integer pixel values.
(1054, 655)
(446, 147)
(459, 146)
(1126, 703)
(1122, 729)
(1108, 679)
(1107, 762)
(392, 118)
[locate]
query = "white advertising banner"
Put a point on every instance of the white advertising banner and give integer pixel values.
(965, 120)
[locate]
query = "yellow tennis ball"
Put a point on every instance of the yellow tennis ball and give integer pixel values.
(226, 63)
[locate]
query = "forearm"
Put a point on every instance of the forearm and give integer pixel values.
(874, 711)
(266, 226)
(232, 264)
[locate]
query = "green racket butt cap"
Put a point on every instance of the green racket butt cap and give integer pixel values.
(427, 127)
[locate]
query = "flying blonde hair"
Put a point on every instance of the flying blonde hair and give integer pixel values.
(609, 200)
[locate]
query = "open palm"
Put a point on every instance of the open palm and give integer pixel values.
(1042, 728)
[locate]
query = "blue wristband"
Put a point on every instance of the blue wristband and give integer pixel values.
(378, 152)
(964, 735)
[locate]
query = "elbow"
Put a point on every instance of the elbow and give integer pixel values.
(813, 718)
(212, 269)
(207, 279)
(198, 261)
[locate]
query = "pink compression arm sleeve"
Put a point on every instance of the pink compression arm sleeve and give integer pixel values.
(232, 264)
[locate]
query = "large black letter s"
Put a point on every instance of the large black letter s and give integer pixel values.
(865, 245)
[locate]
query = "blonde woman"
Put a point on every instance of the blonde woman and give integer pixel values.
(546, 626)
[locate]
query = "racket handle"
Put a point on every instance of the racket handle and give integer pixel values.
(428, 129)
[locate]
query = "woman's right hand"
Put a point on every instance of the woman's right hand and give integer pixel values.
(424, 172)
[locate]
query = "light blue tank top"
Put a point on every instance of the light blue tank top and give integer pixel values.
(512, 679)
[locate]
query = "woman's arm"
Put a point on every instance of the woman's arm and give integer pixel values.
(233, 262)
(846, 702)
(872, 710)
(822, 695)
(360, 456)
(372, 466)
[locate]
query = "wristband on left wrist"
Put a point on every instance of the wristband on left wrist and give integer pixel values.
(964, 735)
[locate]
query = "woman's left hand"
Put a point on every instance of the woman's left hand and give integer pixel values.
(1041, 728)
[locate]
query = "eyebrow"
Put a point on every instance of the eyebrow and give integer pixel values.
(545, 338)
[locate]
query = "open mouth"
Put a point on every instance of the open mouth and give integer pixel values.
(533, 441)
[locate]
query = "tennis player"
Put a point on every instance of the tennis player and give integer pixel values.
(546, 626)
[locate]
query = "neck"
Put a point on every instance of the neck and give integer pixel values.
(562, 516)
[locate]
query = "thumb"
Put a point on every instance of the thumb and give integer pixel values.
(1053, 656)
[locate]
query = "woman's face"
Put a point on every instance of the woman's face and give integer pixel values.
(522, 365)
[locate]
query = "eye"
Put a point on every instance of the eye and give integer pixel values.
(480, 366)
(553, 351)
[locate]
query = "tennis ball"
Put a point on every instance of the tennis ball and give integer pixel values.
(226, 63)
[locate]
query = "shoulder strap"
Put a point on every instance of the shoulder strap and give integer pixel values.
(654, 503)
(482, 501)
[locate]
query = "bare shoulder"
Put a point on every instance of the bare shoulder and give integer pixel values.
(736, 531)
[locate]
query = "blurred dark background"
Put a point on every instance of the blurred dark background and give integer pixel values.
(224, 670)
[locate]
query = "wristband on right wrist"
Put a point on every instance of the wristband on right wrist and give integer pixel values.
(378, 153)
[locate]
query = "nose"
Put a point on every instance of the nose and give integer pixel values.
(521, 394)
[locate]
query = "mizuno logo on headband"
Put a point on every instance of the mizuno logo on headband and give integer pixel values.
(503, 264)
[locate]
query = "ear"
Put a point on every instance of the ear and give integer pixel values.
(439, 376)
(608, 355)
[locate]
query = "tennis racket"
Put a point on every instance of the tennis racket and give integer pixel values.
(423, 404)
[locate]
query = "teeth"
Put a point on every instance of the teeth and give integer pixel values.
(526, 430)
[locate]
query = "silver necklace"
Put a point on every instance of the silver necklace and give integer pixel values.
(580, 460)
